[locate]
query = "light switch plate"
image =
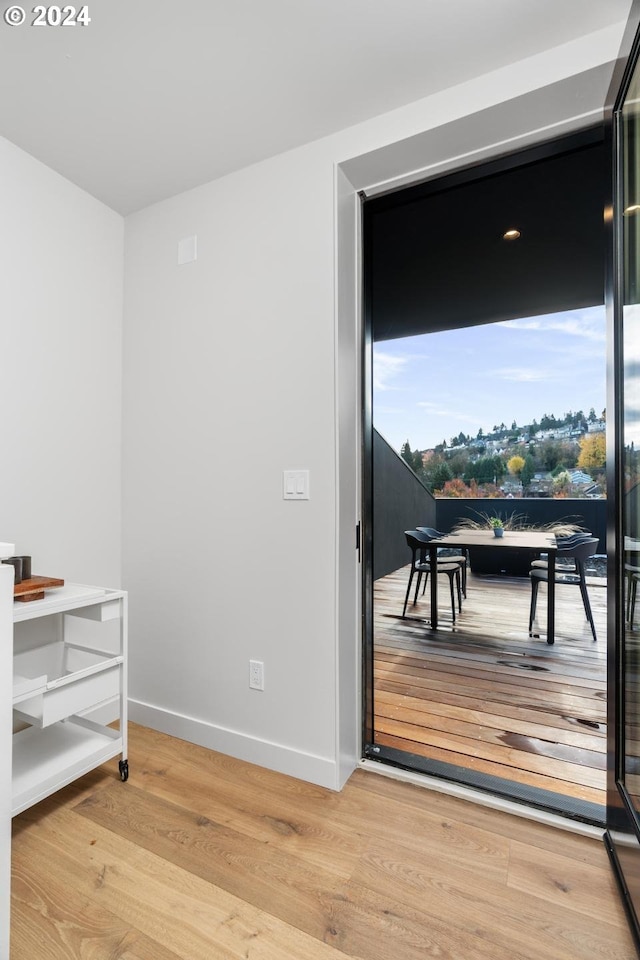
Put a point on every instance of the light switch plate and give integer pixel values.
(295, 485)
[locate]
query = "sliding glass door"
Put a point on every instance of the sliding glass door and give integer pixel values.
(623, 814)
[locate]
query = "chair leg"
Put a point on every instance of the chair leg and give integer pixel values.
(406, 599)
(587, 606)
(426, 580)
(459, 591)
(415, 596)
(453, 602)
(634, 590)
(534, 598)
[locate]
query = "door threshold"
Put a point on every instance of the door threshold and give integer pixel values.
(485, 799)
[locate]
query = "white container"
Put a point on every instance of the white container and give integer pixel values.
(58, 680)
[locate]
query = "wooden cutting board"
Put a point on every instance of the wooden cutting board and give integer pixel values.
(34, 588)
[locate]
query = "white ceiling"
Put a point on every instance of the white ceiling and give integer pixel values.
(157, 96)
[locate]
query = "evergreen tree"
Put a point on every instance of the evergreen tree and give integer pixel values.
(528, 471)
(437, 475)
(486, 470)
(406, 454)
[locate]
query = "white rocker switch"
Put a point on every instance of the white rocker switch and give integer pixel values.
(296, 485)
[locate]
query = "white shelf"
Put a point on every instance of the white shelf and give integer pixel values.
(47, 760)
(57, 682)
(64, 599)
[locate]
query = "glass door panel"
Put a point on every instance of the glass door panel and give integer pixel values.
(630, 420)
(623, 797)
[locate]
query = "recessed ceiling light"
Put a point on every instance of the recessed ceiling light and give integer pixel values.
(630, 210)
(511, 235)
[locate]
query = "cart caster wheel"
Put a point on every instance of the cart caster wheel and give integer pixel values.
(123, 767)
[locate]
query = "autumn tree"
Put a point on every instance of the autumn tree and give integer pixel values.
(593, 453)
(515, 465)
(455, 488)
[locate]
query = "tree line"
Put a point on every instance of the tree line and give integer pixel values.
(449, 470)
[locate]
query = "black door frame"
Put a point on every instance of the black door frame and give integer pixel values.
(622, 837)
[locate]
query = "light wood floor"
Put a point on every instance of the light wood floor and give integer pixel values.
(199, 857)
(484, 695)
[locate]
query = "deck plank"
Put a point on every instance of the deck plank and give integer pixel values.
(482, 693)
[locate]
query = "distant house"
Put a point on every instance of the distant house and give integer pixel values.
(579, 478)
(541, 485)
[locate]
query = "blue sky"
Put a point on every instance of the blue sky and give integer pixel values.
(428, 388)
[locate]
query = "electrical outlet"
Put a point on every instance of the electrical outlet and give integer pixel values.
(256, 674)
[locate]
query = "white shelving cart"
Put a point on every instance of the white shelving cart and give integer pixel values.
(59, 678)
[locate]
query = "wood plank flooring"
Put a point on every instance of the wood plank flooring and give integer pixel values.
(484, 695)
(200, 856)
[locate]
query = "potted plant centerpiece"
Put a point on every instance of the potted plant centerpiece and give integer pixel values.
(497, 525)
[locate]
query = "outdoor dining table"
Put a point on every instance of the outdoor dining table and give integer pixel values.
(530, 541)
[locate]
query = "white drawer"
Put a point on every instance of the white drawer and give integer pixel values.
(58, 680)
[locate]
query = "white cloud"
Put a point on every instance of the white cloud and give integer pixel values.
(436, 410)
(386, 367)
(520, 374)
(582, 324)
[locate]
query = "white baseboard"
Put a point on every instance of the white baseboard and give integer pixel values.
(273, 756)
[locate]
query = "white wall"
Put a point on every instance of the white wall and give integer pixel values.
(230, 376)
(60, 369)
(229, 380)
(61, 275)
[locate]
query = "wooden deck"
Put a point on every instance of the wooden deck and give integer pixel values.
(484, 695)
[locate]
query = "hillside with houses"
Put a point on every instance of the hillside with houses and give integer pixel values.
(555, 457)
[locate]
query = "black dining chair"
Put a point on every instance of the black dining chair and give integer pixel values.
(450, 557)
(579, 552)
(418, 543)
(564, 542)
